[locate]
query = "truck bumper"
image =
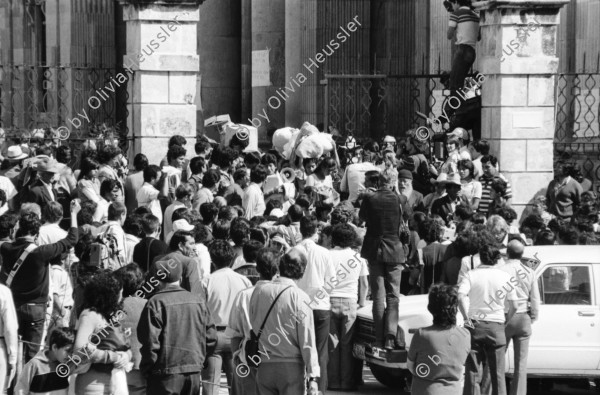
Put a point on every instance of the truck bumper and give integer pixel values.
(395, 359)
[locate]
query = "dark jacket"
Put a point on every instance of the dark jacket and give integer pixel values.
(382, 212)
(176, 331)
(190, 279)
(144, 256)
(38, 193)
(415, 203)
(564, 201)
(31, 283)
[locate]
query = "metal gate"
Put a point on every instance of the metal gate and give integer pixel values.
(372, 106)
(577, 133)
(47, 81)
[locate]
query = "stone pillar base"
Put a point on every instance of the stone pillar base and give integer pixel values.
(162, 53)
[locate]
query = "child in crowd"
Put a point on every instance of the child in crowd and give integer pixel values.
(40, 374)
(308, 167)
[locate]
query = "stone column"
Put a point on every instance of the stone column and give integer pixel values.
(518, 57)
(268, 32)
(162, 65)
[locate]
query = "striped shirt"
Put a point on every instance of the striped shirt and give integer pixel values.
(466, 22)
(486, 188)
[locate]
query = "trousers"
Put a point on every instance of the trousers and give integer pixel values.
(488, 346)
(341, 368)
(518, 330)
(463, 59)
(385, 279)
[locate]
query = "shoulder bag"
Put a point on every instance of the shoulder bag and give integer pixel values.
(19, 263)
(251, 346)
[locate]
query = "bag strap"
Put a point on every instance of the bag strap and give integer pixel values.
(269, 312)
(148, 257)
(19, 263)
(472, 264)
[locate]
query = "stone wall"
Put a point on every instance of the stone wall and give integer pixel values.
(517, 55)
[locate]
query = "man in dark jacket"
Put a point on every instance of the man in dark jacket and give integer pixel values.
(42, 190)
(25, 271)
(181, 247)
(176, 331)
(382, 248)
(446, 205)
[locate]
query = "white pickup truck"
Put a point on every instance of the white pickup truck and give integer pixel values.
(566, 337)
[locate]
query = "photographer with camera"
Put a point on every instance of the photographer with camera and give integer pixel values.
(464, 24)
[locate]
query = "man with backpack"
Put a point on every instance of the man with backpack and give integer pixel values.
(26, 272)
(111, 244)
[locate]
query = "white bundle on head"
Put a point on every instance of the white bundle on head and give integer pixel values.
(284, 139)
(310, 149)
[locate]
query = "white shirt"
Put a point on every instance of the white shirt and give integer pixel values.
(148, 196)
(8, 187)
(253, 201)
(239, 320)
(62, 288)
(478, 168)
(353, 180)
(50, 233)
(9, 323)
(203, 257)
(349, 266)
(319, 270)
(101, 213)
(168, 220)
(523, 279)
(319, 185)
(487, 288)
(222, 287)
(471, 190)
(130, 241)
(465, 265)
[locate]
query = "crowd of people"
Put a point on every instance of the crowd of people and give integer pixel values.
(157, 279)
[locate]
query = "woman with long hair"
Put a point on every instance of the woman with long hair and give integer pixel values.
(88, 185)
(471, 189)
(437, 353)
(132, 278)
(99, 327)
(321, 178)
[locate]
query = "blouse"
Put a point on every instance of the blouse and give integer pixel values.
(439, 356)
(471, 190)
(88, 190)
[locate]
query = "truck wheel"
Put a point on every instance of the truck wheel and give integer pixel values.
(393, 378)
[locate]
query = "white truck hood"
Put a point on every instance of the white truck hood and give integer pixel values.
(412, 314)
